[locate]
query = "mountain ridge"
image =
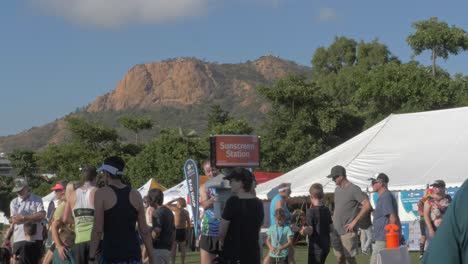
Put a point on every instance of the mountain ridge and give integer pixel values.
(172, 87)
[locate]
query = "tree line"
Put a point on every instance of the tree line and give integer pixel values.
(354, 84)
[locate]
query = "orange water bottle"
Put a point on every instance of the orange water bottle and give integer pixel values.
(392, 236)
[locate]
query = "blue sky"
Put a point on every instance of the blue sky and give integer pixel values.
(57, 55)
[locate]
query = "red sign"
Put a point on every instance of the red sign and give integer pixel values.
(235, 151)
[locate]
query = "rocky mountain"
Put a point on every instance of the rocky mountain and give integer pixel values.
(175, 92)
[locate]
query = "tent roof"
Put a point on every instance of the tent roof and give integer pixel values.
(261, 176)
(149, 185)
(412, 149)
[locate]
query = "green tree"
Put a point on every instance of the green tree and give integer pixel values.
(437, 37)
(303, 123)
(402, 88)
(23, 162)
(221, 122)
(163, 158)
(339, 67)
(217, 116)
(93, 135)
(341, 53)
(136, 124)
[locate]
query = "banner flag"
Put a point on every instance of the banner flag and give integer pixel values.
(191, 176)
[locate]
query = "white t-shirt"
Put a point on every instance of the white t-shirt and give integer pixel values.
(31, 205)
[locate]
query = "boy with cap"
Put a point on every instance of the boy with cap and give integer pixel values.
(351, 205)
(386, 212)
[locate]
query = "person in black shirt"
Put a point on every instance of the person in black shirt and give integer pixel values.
(319, 226)
(241, 220)
(163, 227)
(28, 251)
(117, 210)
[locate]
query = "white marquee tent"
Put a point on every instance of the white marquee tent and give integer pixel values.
(412, 149)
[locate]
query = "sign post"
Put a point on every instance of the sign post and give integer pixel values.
(193, 186)
(235, 151)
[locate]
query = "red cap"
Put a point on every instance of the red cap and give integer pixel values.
(57, 186)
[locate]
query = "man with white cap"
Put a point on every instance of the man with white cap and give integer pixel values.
(26, 207)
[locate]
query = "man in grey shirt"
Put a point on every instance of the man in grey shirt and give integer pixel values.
(386, 212)
(351, 205)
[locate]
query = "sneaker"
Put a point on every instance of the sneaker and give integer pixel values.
(365, 252)
(421, 256)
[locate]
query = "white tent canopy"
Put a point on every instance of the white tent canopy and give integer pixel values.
(178, 191)
(412, 149)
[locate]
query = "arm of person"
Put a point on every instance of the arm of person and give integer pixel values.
(427, 219)
(392, 219)
(36, 217)
(205, 203)
(223, 229)
(280, 204)
(56, 224)
(8, 234)
(171, 203)
(268, 242)
(67, 211)
(143, 228)
(187, 218)
(287, 245)
(365, 208)
(98, 226)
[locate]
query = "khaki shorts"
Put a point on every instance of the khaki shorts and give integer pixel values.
(346, 246)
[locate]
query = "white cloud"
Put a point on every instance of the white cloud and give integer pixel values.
(115, 13)
(327, 14)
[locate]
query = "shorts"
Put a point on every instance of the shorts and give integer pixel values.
(37, 246)
(162, 256)
(81, 252)
(210, 244)
(346, 246)
(422, 226)
(181, 235)
(274, 260)
(103, 261)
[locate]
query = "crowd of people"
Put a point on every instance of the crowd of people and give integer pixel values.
(114, 224)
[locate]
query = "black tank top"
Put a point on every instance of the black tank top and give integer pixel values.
(120, 242)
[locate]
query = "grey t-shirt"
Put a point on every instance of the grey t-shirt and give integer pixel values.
(347, 206)
(386, 205)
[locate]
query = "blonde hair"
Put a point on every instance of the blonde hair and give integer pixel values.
(71, 186)
(67, 236)
(316, 191)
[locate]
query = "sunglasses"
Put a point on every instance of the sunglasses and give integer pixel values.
(334, 178)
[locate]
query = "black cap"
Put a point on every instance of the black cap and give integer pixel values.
(438, 184)
(337, 171)
(380, 177)
(239, 174)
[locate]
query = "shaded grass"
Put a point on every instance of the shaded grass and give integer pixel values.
(301, 257)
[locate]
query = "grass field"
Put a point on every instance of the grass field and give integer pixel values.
(301, 257)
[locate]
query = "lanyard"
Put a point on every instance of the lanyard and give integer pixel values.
(278, 236)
